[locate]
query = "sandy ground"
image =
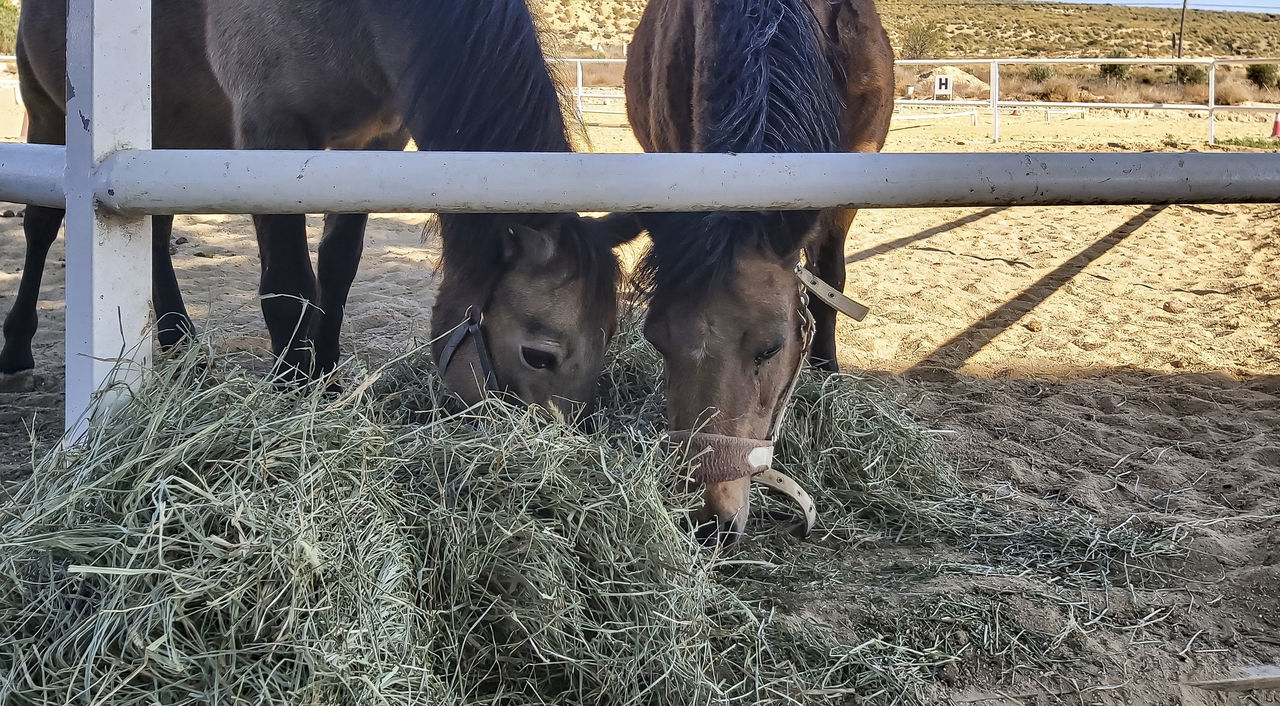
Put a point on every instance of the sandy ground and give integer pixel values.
(1122, 362)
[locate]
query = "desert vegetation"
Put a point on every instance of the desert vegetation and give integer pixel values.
(934, 28)
(980, 28)
(1106, 83)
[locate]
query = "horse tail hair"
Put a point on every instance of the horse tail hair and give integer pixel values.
(771, 88)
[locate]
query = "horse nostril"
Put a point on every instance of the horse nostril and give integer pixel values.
(706, 533)
(729, 533)
(714, 532)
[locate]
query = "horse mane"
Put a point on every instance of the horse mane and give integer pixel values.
(477, 81)
(770, 87)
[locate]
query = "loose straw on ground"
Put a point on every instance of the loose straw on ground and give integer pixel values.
(220, 541)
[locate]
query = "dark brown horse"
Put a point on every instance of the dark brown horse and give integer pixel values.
(527, 302)
(726, 312)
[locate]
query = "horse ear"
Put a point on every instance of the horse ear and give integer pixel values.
(527, 246)
(618, 228)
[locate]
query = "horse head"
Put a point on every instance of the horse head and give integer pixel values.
(534, 319)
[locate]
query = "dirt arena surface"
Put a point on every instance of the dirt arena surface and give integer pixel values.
(1118, 362)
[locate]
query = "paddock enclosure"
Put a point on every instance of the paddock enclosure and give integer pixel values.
(596, 97)
(1112, 370)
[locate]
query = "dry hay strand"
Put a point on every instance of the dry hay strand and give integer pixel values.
(217, 540)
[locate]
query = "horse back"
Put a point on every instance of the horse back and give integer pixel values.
(306, 71)
(189, 110)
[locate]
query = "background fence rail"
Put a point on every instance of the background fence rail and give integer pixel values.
(582, 96)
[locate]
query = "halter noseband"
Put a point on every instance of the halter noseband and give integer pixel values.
(471, 326)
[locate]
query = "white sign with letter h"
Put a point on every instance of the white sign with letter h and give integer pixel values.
(941, 86)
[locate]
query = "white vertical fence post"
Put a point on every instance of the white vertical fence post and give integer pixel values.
(578, 95)
(108, 256)
(995, 101)
(1213, 99)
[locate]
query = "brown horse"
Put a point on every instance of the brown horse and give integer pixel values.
(726, 312)
(528, 301)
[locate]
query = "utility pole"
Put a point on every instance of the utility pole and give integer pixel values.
(1182, 28)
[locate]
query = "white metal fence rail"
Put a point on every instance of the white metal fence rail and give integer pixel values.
(110, 177)
(583, 98)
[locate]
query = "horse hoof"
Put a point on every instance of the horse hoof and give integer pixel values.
(22, 381)
(332, 388)
(175, 337)
(15, 363)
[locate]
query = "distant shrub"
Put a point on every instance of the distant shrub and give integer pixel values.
(1062, 90)
(921, 40)
(8, 27)
(1144, 76)
(1263, 75)
(1040, 73)
(1116, 72)
(1232, 92)
(1191, 75)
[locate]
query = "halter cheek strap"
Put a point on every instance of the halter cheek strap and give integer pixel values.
(470, 327)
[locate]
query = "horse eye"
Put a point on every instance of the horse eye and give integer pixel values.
(536, 359)
(768, 354)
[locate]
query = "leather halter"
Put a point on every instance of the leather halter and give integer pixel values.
(471, 326)
(831, 296)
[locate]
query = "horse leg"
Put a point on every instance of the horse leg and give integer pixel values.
(337, 262)
(288, 290)
(46, 125)
(825, 258)
(172, 323)
(288, 284)
(40, 225)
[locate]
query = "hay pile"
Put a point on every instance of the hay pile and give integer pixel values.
(219, 541)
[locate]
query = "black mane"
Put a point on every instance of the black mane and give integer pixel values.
(479, 82)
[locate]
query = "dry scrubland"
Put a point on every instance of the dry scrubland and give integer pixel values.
(982, 28)
(946, 28)
(1091, 84)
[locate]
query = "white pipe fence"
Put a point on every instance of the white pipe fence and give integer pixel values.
(1211, 107)
(110, 178)
(33, 174)
(194, 181)
(898, 115)
(131, 182)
